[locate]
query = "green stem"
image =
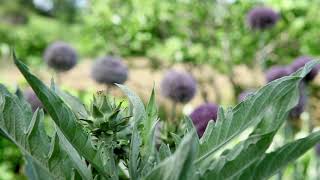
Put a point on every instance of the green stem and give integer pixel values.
(173, 111)
(58, 77)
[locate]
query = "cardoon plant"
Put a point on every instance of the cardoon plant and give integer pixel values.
(109, 70)
(113, 141)
(60, 56)
(179, 87)
(276, 72)
(202, 115)
(261, 18)
(300, 62)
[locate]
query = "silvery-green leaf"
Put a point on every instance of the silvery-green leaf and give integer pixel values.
(65, 119)
(179, 166)
(247, 114)
(271, 163)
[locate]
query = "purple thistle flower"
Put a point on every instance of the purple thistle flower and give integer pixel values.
(178, 86)
(33, 100)
(300, 62)
(202, 115)
(109, 70)
(262, 18)
(60, 56)
(317, 148)
(300, 107)
(277, 72)
(244, 94)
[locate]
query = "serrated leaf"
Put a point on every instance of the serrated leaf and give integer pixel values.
(35, 172)
(247, 152)
(134, 159)
(75, 104)
(64, 118)
(74, 155)
(164, 152)
(179, 166)
(139, 112)
(150, 157)
(176, 139)
(271, 163)
(246, 114)
(152, 116)
(29, 135)
(139, 115)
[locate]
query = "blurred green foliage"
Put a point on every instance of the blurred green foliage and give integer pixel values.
(191, 31)
(213, 32)
(11, 160)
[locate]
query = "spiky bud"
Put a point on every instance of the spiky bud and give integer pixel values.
(60, 56)
(32, 99)
(261, 18)
(109, 122)
(277, 72)
(202, 115)
(244, 94)
(109, 70)
(178, 86)
(300, 107)
(300, 62)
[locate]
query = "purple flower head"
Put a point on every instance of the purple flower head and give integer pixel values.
(300, 62)
(262, 18)
(300, 107)
(244, 94)
(277, 72)
(317, 148)
(109, 70)
(202, 115)
(178, 86)
(60, 56)
(32, 99)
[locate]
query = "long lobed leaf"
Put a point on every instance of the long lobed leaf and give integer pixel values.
(248, 113)
(65, 120)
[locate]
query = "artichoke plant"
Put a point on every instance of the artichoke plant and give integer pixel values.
(202, 115)
(109, 70)
(114, 140)
(261, 18)
(179, 87)
(60, 56)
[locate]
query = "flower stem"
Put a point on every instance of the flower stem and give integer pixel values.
(173, 111)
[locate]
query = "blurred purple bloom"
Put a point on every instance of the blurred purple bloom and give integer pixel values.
(277, 72)
(202, 115)
(109, 70)
(60, 56)
(262, 18)
(178, 86)
(300, 107)
(32, 99)
(300, 62)
(244, 94)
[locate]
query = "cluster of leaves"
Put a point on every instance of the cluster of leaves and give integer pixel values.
(111, 141)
